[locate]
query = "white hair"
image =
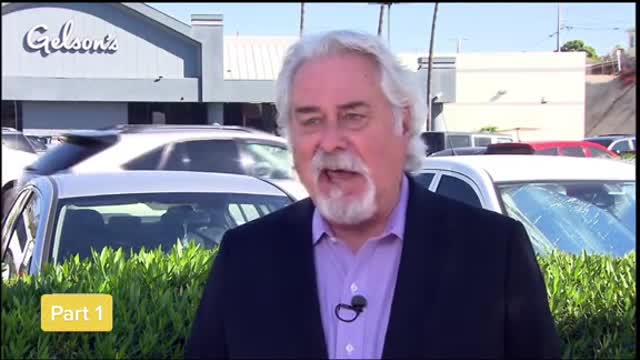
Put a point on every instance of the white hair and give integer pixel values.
(397, 83)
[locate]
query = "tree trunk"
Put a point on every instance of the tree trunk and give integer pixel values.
(380, 19)
(301, 18)
(433, 30)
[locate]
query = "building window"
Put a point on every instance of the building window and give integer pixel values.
(12, 114)
(167, 113)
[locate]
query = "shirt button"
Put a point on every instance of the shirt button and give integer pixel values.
(349, 348)
(354, 288)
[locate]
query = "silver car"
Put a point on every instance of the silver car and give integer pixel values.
(58, 216)
(565, 203)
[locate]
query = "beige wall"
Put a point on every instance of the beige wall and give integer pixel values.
(544, 91)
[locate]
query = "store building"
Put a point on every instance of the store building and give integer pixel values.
(95, 65)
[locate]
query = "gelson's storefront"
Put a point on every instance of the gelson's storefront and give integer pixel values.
(96, 65)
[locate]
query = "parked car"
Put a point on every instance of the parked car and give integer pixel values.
(565, 203)
(57, 216)
(440, 140)
(561, 148)
(17, 153)
(467, 150)
(617, 143)
(209, 148)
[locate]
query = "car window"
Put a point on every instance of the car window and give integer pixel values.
(133, 221)
(454, 141)
(459, 190)
(147, 161)
(424, 178)
(69, 152)
(574, 151)
(597, 153)
(206, 156)
(621, 146)
(502, 140)
(548, 151)
(20, 232)
(633, 142)
(482, 141)
(17, 141)
(267, 161)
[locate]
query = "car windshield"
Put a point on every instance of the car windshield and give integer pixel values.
(596, 217)
(133, 221)
(604, 142)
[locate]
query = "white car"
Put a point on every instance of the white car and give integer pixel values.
(17, 153)
(207, 148)
(565, 203)
(57, 216)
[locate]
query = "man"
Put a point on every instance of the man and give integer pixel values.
(372, 265)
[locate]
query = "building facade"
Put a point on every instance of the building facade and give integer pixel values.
(532, 96)
(96, 65)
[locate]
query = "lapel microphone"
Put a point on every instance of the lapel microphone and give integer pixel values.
(358, 303)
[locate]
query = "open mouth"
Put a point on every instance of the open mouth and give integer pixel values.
(339, 175)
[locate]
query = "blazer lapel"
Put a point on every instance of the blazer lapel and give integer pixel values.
(418, 276)
(306, 320)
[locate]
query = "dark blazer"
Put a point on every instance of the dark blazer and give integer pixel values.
(468, 286)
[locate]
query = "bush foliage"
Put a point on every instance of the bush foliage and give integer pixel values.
(156, 295)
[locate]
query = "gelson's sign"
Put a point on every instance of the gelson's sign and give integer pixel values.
(67, 41)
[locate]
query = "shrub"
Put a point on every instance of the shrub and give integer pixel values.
(156, 295)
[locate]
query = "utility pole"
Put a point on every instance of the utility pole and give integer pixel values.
(301, 18)
(558, 31)
(433, 31)
(380, 17)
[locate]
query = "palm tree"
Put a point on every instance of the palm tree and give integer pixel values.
(301, 18)
(433, 30)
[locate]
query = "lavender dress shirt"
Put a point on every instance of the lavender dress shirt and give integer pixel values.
(371, 272)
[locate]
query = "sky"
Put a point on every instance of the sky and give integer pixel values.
(487, 27)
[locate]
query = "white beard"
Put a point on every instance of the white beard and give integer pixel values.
(333, 206)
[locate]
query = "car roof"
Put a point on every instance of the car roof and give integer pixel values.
(139, 182)
(165, 135)
(611, 137)
(561, 143)
(507, 168)
(176, 132)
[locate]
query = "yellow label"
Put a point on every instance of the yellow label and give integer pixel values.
(76, 312)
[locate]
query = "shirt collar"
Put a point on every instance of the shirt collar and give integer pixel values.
(395, 226)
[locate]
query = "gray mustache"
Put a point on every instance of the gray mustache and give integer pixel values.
(337, 161)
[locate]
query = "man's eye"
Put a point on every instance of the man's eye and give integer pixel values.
(353, 116)
(310, 121)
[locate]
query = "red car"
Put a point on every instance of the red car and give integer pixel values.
(561, 148)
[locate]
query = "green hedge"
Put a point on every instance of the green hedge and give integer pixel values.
(155, 297)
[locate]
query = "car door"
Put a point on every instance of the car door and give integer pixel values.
(459, 187)
(22, 231)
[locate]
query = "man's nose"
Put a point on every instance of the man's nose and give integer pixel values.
(332, 139)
